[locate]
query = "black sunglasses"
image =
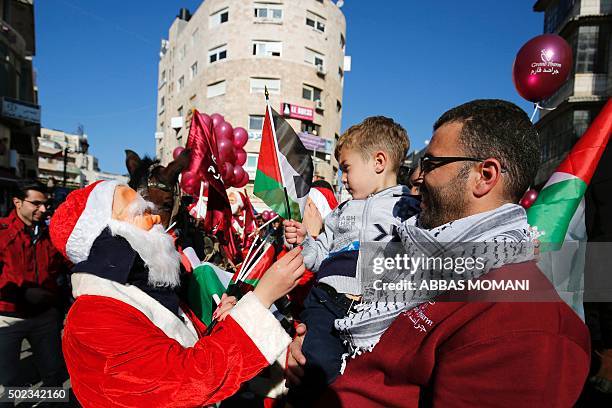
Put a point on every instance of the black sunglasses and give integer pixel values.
(37, 204)
(429, 163)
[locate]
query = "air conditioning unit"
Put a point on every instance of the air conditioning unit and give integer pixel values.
(319, 104)
(320, 69)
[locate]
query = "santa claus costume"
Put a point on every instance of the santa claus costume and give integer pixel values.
(126, 340)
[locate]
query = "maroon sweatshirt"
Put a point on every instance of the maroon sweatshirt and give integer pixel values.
(473, 354)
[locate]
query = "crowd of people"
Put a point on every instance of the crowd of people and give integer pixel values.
(98, 289)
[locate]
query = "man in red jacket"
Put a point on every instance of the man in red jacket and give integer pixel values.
(491, 352)
(29, 268)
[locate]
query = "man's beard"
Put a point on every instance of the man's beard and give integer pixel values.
(156, 248)
(443, 204)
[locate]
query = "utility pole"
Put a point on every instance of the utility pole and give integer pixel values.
(65, 176)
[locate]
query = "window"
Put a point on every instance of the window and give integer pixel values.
(217, 53)
(582, 119)
(251, 161)
(181, 54)
(556, 13)
(311, 93)
(342, 41)
(586, 51)
(267, 11)
(313, 57)
(180, 111)
(315, 21)
(220, 17)
(162, 102)
(255, 126)
(194, 37)
(259, 84)
(310, 127)
(256, 122)
(340, 73)
(216, 89)
(338, 106)
(267, 48)
(162, 79)
(180, 84)
(193, 71)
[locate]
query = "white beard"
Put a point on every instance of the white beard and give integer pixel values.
(156, 248)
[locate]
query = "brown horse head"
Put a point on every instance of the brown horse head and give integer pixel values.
(155, 182)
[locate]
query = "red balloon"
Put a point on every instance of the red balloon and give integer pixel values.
(226, 151)
(207, 120)
(216, 119)
(529, 198)
(177, 152)
(227, 173)
(238, 173)
(241, 137)
(190, 182)
(265, 215)
(224, 131)
(541, 66)
(241, 156)
(242, 182)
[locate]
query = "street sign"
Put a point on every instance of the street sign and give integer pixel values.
(14, 109)
(297, 112)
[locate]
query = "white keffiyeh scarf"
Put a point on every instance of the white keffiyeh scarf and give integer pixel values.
(507, 224)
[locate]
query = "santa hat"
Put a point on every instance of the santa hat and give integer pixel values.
(80, 219)
(324, 200)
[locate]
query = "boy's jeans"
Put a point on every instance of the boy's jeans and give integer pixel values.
(322, 347)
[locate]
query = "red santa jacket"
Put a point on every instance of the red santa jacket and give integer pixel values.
(472, 354)
(122, 348)
(24, 265)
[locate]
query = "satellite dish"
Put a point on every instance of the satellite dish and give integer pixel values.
(340, 3)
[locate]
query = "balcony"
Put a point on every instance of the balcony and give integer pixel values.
(579, 88)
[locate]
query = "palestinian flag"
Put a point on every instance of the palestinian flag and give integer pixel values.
(207, 279)
(258, 262)
(284, 168)
(561, 199)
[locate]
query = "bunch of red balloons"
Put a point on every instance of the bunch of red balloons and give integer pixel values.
(232, 156)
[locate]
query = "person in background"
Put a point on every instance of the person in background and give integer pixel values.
(30, 300)
(415, 179)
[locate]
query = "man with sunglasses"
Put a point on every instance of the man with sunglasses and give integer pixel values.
(515, 349)
(29, 294)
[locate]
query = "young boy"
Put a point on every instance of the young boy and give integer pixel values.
(369, 155)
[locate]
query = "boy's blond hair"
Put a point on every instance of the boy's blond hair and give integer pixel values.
(373, 134)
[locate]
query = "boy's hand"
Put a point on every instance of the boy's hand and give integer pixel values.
(295, 232)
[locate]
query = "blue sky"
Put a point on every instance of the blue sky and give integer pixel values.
(97, 61)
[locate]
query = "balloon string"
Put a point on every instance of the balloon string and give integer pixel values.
(537, 106)
(535, 110)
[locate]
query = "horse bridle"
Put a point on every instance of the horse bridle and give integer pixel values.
(164, 187)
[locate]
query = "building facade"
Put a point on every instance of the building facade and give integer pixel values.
(220, 59)
(64, 155)
(19, 110)
(587, 27)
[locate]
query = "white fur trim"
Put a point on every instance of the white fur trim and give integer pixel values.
(168, 322)
(94, 218)
(320, 201)
(261, 326)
